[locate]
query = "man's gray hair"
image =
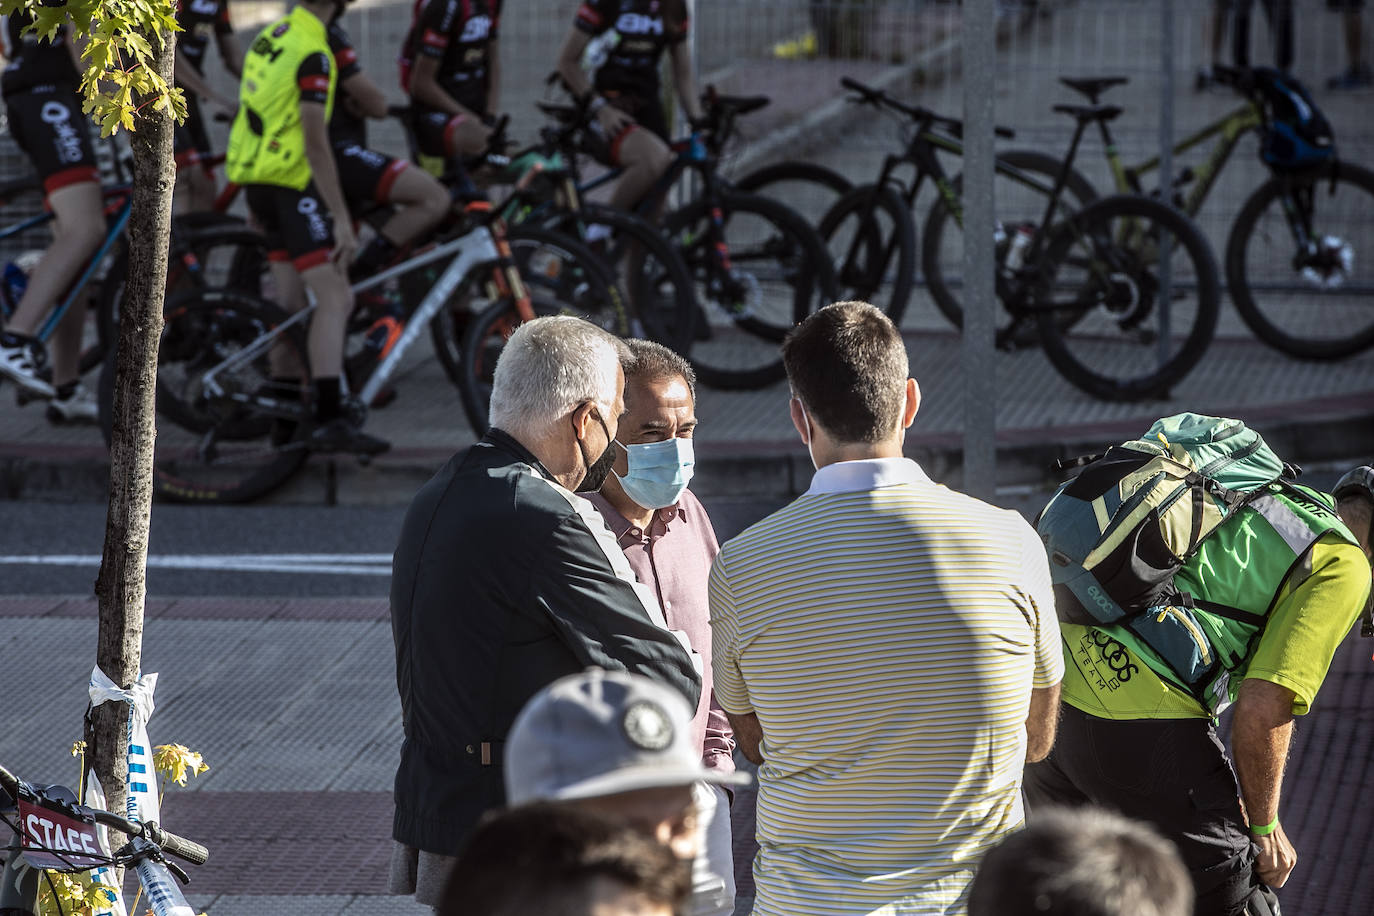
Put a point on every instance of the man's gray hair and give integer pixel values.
(548, 367)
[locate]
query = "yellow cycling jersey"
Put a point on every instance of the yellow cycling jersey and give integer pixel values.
(288, 63)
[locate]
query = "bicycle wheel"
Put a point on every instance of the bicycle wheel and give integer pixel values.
(809, 189)
(1105, 320)
(233, 444)
(872, 242)
(208, 251)
(205, 258)
(562, 276)
(1021, 184)
(1317, 301)
(651, 272)
(775, 272)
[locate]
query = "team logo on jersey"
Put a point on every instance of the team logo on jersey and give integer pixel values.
(639, 24)
(476, 29)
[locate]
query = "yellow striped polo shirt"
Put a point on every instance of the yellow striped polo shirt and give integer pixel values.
(887, 632)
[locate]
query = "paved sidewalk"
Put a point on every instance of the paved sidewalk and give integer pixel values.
(293, 704)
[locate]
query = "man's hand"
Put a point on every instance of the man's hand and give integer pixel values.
(1276, 857)
(345, 241)
(613, 121)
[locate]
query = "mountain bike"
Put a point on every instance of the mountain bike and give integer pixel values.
(234, 374)
(52, 831)
(1292, 261)
(757, 267)
(871, 232)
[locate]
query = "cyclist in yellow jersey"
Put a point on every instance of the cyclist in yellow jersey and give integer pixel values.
(1131, 740)
(279, 150)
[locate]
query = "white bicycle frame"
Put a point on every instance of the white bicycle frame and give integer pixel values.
(468, 252)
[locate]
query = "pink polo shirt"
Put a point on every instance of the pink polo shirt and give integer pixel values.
(674, 559)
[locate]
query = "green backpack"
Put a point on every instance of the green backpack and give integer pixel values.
(1118, 532)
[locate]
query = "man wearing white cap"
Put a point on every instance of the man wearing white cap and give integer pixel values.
(619, 744)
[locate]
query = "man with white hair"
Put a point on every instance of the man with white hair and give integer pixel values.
(504, 581)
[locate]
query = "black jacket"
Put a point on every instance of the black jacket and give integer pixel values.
(502, 582)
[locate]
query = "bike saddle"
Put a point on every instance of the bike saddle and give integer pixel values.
(1091, 112)
(567, 114)
(742, 104)
(1092, 87)
(16, 186)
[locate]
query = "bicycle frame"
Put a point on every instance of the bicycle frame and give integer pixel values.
(468, 251)
(1229, 129)
(119, 203)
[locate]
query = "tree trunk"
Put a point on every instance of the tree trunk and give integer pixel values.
(122, 584)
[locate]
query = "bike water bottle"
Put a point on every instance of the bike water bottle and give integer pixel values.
(1020, 242)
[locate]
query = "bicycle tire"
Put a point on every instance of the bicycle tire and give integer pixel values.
(809, 189)
(1115, 293)
(196, 238)
(650, 271)
(779, 274)
(233, 453)
(941, 261)
(562, 276)
(861, 268)
(217, 253)
(1316, 311)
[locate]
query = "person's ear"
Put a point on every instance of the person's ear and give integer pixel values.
(913, 402)
(583, 417)
(799, 420)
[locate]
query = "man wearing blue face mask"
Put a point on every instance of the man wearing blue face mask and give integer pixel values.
(670, 544)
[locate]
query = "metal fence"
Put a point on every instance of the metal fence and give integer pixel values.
(796, 50)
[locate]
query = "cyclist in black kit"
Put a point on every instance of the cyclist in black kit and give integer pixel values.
(368, 176)
(199, 19)
(624, 94)
(451, 68)
(40, 85)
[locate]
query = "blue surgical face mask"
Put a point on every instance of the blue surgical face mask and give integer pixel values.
(658, 472)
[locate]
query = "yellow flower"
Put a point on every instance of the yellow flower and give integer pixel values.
(78, 747)
(176, 761)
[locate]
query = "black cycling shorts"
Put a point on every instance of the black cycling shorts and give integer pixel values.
(648, 116)
(296, 224)
(433, 129)
(190, 142)
(366, 175)
(48, 125)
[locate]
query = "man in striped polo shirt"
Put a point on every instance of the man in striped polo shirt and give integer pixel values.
(885, 648)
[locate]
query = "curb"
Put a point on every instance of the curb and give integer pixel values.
(1317, 430)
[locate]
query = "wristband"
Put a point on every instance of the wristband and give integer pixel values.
(1264, 829)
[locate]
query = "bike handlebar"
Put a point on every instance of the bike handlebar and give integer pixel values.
(867, 95)
(165, 840)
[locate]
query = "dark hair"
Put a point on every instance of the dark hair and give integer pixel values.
(1082, 862)
(546, 858)
(653, 362)
(847, 364)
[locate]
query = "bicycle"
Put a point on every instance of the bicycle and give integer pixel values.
(1291, 264)
(54, 832)
(757, 267)
(233, 369)
(871, 229)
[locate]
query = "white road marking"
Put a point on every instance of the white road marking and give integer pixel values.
(336, 564)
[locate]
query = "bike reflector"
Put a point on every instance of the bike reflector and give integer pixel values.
(58, 841)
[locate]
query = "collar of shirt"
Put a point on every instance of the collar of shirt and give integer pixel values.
(866, 474)
(498, 438)
(625, 531)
